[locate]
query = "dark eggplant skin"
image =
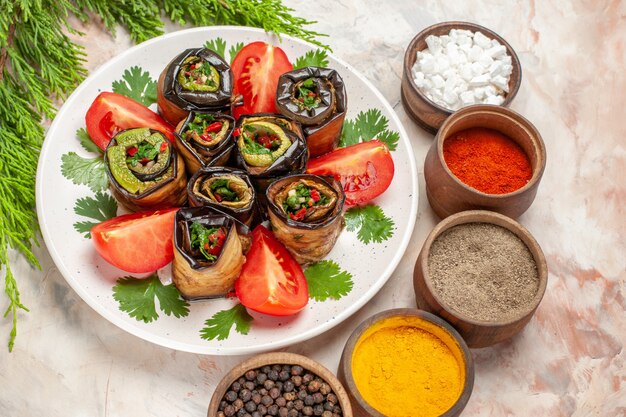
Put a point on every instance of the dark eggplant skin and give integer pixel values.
(308, 242)
(293, 161)
(195, 155)
(170, 192)
(321, 125)
(174, 103)
(246, 214)
(196, 278)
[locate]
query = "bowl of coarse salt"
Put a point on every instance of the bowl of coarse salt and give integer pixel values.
(451, 65)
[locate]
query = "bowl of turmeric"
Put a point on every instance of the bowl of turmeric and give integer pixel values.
(406, 363)
(484, 157)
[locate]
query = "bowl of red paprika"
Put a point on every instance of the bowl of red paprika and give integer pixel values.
(484, 157)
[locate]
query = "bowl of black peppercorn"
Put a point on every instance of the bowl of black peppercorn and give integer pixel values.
(279, 384)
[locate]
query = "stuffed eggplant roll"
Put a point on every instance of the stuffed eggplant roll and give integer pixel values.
(225, 189)
(197, 79)
(145, 171)
(269, 146)
(205, 139)
(208, 252)
(306, 215)
(316, 98)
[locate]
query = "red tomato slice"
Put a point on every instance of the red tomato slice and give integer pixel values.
(110, 112)
(365, 169)
(138, 242)
(256, 69)
(271, 281)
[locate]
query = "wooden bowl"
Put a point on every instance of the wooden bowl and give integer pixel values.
(477, 333)
(360, 406)
(280, 358)
(429, 115)
(448, 195)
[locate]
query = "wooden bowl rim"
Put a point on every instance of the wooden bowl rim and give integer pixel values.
(456, 24)
(356, 334)
(507, 114)
(497, 219)
(280, 358)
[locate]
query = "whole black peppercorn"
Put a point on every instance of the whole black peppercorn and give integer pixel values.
(314, 386)
(238, 404)
(307, 411)
(297, 380)
(324, 414)
(266, 400)
(337, 409)
(308, 400)
(241, 412)
(250, 375)
(289, 405)
(245, 395)
(318, 409)
(277, 368)
(307, 378)
(293, 413)
(296, 370)
(281, 401)
(269, 384)
(257, 414)
(260, 378)
(328, 406)
(331, 398)
(279, 385)
(274, 393)
(288, 386)
(283, 412)
(262, 409)
(256, 397)
(222, 405)
(302, 394)
(298, 404)
(318, 398)
(236, 386)
(325, 388)
(250, 406)
(231, 396)
(272, 410)
(241, 380)
(263, 391)
(229, 410)
(273, 375)
(249, 385)
(221, 414)
(283, 375)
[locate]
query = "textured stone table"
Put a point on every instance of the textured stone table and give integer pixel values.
(569, 361)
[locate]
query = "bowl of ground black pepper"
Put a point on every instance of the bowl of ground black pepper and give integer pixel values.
(279, 384)
(482, 272)
(484, 157)
(406, 363)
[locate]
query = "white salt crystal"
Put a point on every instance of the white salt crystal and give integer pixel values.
(467, 98)
(497, 100)
(501, 82)
(480, 80)
(485, 60)
(418, 77)
(496, 51)
(479, 93)
(496, 69)
(481, 40)
(466, 72)
(434, 44)
(438, 81)
(450, 97)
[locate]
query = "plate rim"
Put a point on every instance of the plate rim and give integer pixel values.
(211, 350)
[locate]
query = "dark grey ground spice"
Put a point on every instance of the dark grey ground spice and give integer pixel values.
(483, 271)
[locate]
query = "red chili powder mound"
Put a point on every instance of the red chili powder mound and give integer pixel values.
(487, 160)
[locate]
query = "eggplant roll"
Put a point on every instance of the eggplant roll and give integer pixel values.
(306, 215)
(316, 98)
(269, 146)
(225, 189)
(145, 171)
(209, 249)
(205, 139)
(197, 79)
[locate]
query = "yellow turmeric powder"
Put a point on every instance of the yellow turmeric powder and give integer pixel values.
(408, 367)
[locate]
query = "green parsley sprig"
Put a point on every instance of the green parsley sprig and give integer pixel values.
(219, 325)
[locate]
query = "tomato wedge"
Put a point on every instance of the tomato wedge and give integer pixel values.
(110, 112)
(365, 169)
(271, 281)
(138, 242)
(256, 69)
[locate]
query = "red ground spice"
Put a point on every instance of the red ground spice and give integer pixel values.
(487, 160)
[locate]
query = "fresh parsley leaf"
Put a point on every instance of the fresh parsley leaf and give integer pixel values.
(90, 172)
(137, 298)
(366, 126)
(326, 280)
(218, 327)
(234, 50)
(102, 207)
(138, 85)
(217, 45)
(316, 58)
(86, 142)
(370, 222)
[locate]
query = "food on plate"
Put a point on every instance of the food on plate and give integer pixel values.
(225, 189)
(463, 68)
(197, 79)
(205, 139)
(316, 98)
(269, 146)
(256, 69)
(137, 242)
(110, 113)
(208, 252)
(365, 169)
(271, 281)
(306, 215)
(145, 171)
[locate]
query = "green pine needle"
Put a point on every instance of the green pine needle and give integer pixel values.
(326, 280)
(138, 85)
(137, 298)
(218, 327)
(316, 58)
(370, 223)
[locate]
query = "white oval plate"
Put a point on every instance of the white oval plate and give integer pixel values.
(92, 278)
